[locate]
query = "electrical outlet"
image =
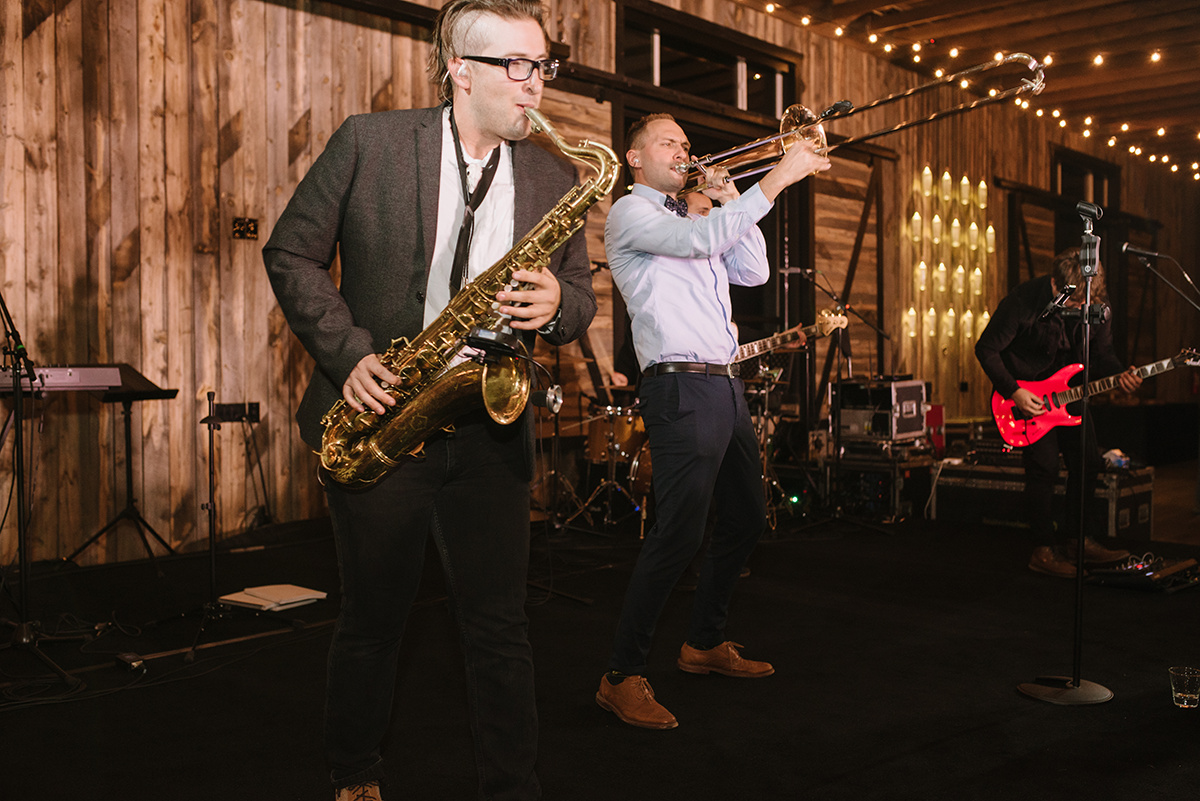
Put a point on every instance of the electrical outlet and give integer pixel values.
(244, 228)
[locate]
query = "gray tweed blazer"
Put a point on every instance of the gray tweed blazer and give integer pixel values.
(373, 194)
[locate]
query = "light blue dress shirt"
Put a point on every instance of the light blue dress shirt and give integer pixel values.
(674, 272)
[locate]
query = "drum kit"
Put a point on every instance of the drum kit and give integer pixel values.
(616, 439)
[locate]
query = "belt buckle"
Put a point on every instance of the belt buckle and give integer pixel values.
(728, 370)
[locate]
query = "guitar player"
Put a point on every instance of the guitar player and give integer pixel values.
(1029, 339)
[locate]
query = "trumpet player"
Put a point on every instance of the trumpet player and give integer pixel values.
(390, 193)
(673, 270)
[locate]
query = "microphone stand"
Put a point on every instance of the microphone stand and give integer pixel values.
(26, 632)
(835, 417)
(1073, 690)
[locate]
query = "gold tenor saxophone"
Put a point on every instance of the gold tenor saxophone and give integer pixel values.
(359, 448)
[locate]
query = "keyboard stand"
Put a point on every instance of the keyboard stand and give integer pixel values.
(134, 387)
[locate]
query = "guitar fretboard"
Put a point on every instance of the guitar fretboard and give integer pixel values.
(1103, 385)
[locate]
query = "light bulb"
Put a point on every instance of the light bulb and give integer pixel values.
(973, 236)
(964, 191)
(955, 233)
(927, 181)
(915, 231)
(960, 279)
(981, 195)
(935, 229)
(989, 236)
(922, 276)
(977, 282)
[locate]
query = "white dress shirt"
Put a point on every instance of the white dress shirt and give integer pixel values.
(493, 233)
(674, 272)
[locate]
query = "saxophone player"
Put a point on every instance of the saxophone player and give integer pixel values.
(391, 194)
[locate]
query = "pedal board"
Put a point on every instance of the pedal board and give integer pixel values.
(1149, 572)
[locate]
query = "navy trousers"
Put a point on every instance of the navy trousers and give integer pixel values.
(704, 450)
(471, 494)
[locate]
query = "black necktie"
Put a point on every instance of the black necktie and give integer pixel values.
(471, 201)
(676, 205)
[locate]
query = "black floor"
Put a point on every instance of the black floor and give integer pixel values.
(898, 653)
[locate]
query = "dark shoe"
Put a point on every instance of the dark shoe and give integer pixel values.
(633, 702)
(359, 792)
(723, 659)
(1094, 553)
(1049, 561)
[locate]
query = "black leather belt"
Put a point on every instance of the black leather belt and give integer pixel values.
(662, 368)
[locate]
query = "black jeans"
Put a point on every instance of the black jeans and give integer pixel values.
(704, 449)
(1041, 474)
(471, 492)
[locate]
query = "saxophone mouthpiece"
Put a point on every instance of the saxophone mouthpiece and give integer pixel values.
(539, 121)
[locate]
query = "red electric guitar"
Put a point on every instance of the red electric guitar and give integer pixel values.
(1019, 430)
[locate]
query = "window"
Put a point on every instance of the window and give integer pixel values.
(681, 53)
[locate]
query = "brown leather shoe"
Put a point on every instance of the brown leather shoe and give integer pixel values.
(1094, 553)
(360, 792)
(1049, 561)
(723, 659)
(633, 702)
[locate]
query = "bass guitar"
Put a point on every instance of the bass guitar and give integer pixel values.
(827, 322)
(1019, 429)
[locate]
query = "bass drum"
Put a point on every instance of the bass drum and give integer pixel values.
(640, 472)
(615, 433)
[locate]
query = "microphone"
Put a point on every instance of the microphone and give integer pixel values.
(1057, 303)
(1128, 248)
(1089, 211)
(550, 399)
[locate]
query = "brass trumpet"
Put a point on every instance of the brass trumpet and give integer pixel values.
(801, 124)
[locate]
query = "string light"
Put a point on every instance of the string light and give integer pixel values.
(917, 48)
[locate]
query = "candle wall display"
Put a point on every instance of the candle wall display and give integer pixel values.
(950, 249)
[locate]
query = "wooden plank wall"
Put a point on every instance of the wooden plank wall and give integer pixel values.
(131, 134)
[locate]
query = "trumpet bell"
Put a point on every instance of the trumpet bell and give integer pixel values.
(798, 124)
(802, 124)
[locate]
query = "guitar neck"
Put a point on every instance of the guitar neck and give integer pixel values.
(1103, 385)
(751, 349)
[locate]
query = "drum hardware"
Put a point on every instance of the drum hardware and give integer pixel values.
(758, 397)
(619, 438)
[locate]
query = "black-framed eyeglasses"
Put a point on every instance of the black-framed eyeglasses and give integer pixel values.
(519, 69)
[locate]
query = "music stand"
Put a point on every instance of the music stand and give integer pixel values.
(134, 387)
